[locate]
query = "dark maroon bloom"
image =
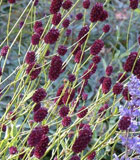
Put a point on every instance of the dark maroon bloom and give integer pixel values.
(130, 61)
(66, 23)
(84, 96)
(35, 136)
(83, 34)
(55, 68)
(96, 59)
(86, 75)
(117, 88)
(55, 6)
(91, 156)
(52, 36)
(92, 67)
(39, 31)
(101, 80)
(37, 25)
(12, 115)
(56, 19)
(134, 4)
(86, 4)
(21, 24)
(35, 39)
(79, 16)
(13, 150)
(96, 47)
(96, 12)
(121, 77)
(83, 140)
(40, 114)
(68, 96)
(39, 95)
(62, 50)
(21, 154)
(104, 16)
(109, 70)
(124, 123)
(106, 85)
(63, 111)
(30, 57)
(126, 94)
(82, 112)
(68, 32)
(67, 4)
(79, 56)
(4, 50)
(139, 40)
(106, 28)
(37, 106)
(41, 147)
(66, 121)
(136, 70)
(103, 109)
(75, 157)
(12, 1)
(3, 127)
(34, 70)
(71, 77)
(36, 2)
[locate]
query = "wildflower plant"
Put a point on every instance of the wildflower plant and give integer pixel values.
(69, 80)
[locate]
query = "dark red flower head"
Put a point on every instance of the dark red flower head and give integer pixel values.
(12, 1)
(130, 61)
(56, 19)
(79, 16)
(68, 32)
(4, 50)
(86, 4)
(35, 39)
(124, 123)
(106, 85)
(122, 77)
(98, 13)
(106, 28)
(83, 140)
(66, 23)
(117, 88)
(134, 4)
(84, 96)
(37, 106)
(96, 59)
(66, 121)
(13, 150)
(30, 57)
(82, 112)
(55, 6)
(34, 70)
(52, 36)
(75, 157)
(39, 95)
(40, 31)
(67, 4)
(71, 77)
(40, 114)
(109, 70)
(126, 94)
(103, 109)
(55, 68)
(83, 34)
(63, 111)
(79, 56)
(41, 147)
(62, 50)
(96, 47)
(35, 136)
(37, 25)
(68, 96)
